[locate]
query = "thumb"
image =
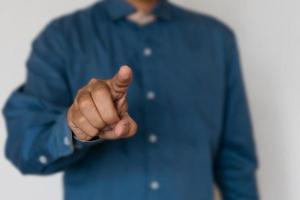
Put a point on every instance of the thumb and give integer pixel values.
(120, 82)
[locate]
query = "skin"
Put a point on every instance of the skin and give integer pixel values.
(100, 109)
(143, 5)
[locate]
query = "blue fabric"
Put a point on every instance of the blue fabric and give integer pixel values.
(199, 113)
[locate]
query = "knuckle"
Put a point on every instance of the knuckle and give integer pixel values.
(80, 91)
(100, 91)
(93, 80)
(84, 103)
(80, 120)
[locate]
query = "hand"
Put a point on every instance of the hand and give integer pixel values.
(100, 109)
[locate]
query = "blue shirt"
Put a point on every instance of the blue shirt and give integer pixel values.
(187, 97)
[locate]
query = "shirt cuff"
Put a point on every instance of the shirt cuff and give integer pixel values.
(79, 144)
(64, 140)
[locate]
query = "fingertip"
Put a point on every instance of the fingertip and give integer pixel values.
(125, 67)
(125, 73)
(122, 128)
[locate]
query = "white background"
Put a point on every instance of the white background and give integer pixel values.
(269, 38)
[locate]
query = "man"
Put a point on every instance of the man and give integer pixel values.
(180, 84)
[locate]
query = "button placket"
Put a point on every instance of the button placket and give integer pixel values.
(148, 58)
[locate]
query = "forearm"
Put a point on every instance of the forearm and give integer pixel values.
(39, 139)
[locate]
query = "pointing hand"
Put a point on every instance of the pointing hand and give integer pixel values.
(100, 109)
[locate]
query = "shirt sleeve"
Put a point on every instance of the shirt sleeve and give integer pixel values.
(39, 140)
(236, 160)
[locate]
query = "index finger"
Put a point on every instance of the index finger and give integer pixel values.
(120, 82)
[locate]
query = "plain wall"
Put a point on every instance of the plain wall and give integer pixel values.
(269, 38)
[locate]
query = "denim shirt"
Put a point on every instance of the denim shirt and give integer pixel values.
(187, 97)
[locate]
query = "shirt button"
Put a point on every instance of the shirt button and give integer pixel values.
(147, 52)
(43, 160)
(154, 185)
(67, 141)
(152, 138)
(150, 95)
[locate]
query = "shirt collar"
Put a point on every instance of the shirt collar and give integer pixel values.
(121, 8)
